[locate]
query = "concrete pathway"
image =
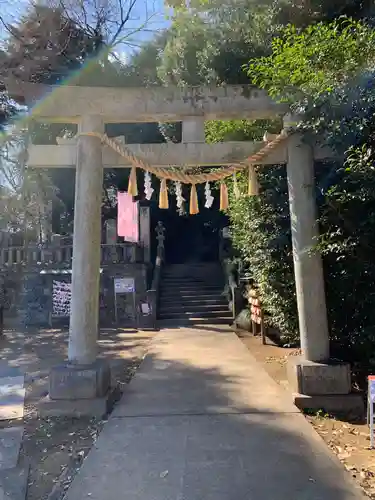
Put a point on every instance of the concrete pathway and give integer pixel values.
(203, 421)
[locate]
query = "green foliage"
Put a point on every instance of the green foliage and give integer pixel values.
(317, 60)
(184, 60)
(211, 46)
(347, 220)
(326, 72)
(260, 227)
(240, 130)
(261, 232)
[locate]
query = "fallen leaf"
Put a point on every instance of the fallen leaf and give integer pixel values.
(354, 431)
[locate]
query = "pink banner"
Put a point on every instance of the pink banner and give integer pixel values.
(127, 217)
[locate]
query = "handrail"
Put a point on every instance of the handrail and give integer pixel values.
(153, 293)
(157, 273)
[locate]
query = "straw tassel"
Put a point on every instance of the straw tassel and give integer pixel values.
(163, 196)
(253, 182)
(132, 186)
(194, 208)
(223, 196)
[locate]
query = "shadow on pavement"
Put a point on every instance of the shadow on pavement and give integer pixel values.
(183, 431)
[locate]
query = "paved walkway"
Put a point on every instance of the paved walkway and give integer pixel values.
(203, 421)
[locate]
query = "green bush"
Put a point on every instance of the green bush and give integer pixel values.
(261, 232)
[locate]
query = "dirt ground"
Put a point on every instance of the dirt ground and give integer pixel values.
(56, 447)
(347, 437)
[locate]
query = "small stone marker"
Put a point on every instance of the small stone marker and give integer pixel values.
(75, 383)
(10, 444)
(12, 397)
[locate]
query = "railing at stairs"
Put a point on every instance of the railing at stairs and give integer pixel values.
(153, 293)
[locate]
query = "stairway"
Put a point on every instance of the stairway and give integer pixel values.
(193, 294)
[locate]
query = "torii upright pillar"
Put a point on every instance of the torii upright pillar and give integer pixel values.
(308, 266)
(81, 386)
(317, 381)
(84, 317)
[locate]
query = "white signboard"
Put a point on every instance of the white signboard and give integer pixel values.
(124, 285)
(145, 308)
(372, 389)
(61, 298)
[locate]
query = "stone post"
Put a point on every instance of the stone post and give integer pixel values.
(110, 254)
(46, 222)
(193, 130)
(56, 240)
(145, 233)
(84, 378)
(318, 382)
(111, 232)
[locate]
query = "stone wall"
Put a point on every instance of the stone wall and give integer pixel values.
(29, 296)
(35, 300)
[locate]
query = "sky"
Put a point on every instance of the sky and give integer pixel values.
(154, 11)
(157, 13)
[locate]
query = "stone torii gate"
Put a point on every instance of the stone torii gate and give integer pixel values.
(84, 377)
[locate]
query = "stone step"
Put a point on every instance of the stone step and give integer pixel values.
(192, 283)
(191, 308)
(186, 297)
(191, 286)
(196, 272)
(199, 298)
(173, 322)
(192, 290)
(214, 278)
(192, 265)
(182, 267)
(196, 315)
(200, 279)
(194, 300)
(208, 271)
